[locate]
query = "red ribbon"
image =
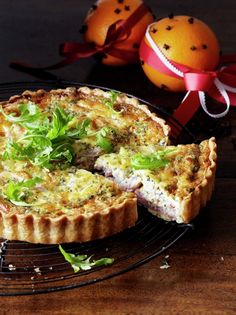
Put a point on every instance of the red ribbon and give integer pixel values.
(117, 32)
(195, 81)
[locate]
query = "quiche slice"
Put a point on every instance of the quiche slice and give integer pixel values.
(48, 142)
(173, 182)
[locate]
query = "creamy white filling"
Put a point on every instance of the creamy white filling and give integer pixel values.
(123, 177)
(157, 200)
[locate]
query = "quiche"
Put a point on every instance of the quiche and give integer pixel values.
(75, 161)
(49, 143)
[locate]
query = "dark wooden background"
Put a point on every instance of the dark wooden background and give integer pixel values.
(202, 276)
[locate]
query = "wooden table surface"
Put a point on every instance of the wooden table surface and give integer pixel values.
(202, 274)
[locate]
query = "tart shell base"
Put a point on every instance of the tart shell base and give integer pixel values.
(64, 229)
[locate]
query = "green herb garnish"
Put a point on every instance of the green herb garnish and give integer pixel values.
(152, 161)
(80, 131)
(102, 139)
(29, 115)
(59, 124)
(111, 101)
(83, 262)
(45, 142)
(16, 192)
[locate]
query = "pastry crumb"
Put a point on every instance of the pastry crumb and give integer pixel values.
(37, 270)
(11, 267)
(165, 263)
(165, 266)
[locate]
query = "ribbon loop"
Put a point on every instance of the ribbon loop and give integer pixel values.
(199, 81)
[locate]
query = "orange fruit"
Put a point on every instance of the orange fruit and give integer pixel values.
(106, 12)
(185, 40)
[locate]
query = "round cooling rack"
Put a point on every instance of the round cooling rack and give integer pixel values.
(35, 268)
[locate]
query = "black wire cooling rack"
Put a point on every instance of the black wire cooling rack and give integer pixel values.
(33, 268)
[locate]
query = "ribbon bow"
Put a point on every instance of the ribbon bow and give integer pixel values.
(117, 32)
(219, 84)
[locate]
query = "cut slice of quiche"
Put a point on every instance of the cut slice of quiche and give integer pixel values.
(173, 182)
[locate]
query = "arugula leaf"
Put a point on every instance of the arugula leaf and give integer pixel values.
(45, 142)
(102, 139)
(80, 131)
(28, 113)
(16, 192)
(62, 151)
(16, 152)
(151, 161)
(110, 102)
(59, 123)
(33, 147)
(82, 262)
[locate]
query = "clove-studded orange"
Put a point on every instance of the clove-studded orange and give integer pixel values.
(102, 15)
(185, 40)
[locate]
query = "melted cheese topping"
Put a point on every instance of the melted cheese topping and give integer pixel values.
(71, 192)
(132, 125)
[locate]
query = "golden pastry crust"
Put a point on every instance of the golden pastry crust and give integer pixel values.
(195, 201)
(63, 229)
(189, 206)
